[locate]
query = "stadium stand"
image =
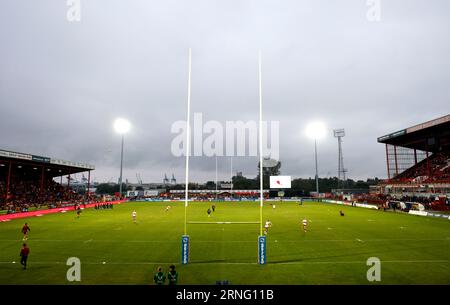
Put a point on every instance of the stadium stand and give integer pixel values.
(418, 164)
(27, 182)
(436, 168)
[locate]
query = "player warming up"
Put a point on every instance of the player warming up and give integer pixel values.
(25, 231)
(133, 215)
(24, 252)
(78, 211)
(167, 208)
(209, 212)
(267, 225)
(305, 224)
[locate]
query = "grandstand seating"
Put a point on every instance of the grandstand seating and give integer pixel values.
(430, 201)
(435, 168)
(24, 195)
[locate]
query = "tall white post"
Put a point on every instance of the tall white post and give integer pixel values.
(260, 147)
(317, 170)
(216, 179)
(121, 165)
(231, 175)
(188, 143)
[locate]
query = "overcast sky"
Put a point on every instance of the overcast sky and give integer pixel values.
(63, 83)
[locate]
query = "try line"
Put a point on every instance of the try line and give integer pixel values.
(246, 263)
(225, 241)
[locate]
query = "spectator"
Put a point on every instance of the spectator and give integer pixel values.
(172, 275)
(159, 277)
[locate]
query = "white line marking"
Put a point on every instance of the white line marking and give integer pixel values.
(222, 222)
(227, 241)
(251, 263)
(364, 262)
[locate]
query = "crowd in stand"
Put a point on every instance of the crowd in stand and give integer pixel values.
(429, 201)
(24, 195)
(440, 169)
(436, 169)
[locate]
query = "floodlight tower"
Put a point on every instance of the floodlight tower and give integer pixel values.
(339, 134)
(121, 126)
(316, 130)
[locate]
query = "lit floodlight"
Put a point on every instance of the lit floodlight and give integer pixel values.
(122, 126)
(316, 130)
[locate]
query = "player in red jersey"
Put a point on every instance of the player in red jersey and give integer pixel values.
(24, 252)
(25, 230)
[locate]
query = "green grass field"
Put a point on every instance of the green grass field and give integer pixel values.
(412, 249)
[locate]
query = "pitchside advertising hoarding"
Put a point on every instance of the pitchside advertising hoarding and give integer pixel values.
(280, 182)
(150, 193)
(147, 193)
(135, 193)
